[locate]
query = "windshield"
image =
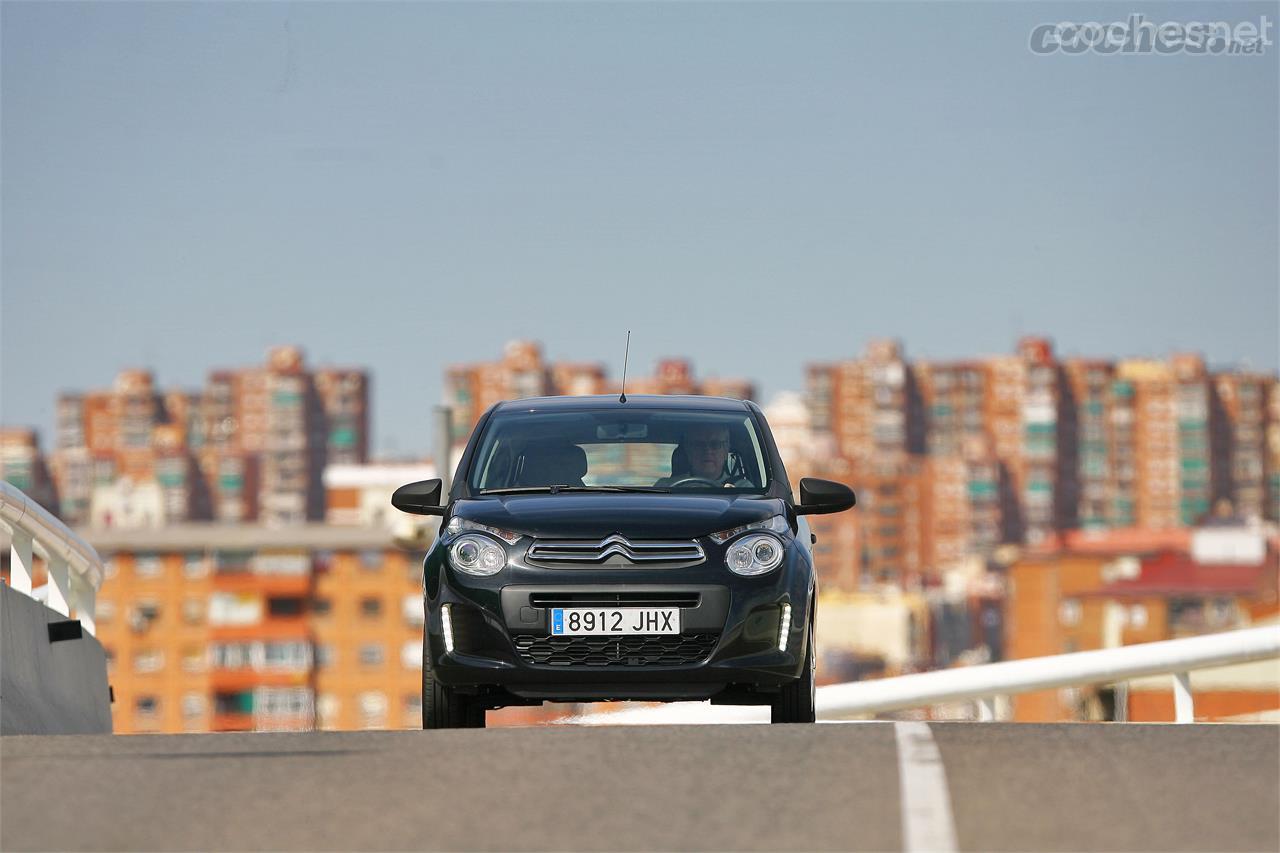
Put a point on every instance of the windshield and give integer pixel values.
(611, 449)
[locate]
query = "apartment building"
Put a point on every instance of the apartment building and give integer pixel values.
(890, 525)
(1087, 452)
(1049, 445)
(961, 513)
(523, 371)
(252, 627)
(1173, 451)
(1094, 590)
(1241, 461)
(1273, 450)
(869, 406)
(250, 446)
(23, 464)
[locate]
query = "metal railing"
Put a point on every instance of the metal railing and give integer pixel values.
(983, 684)
(75, 570)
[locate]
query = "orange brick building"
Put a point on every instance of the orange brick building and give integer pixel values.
(1094, 591)
(250, 446)
(212, 628)
(1016, 449)
(523, 371)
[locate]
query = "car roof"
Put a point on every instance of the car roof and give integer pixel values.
(691, 402)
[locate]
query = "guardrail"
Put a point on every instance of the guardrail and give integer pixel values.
(74, 567)
(984, 683)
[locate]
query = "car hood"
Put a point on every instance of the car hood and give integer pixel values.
(636, 516)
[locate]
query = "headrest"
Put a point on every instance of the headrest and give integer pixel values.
(553, 464)
(679, 462)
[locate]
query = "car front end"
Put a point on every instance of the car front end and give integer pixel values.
(618, 609)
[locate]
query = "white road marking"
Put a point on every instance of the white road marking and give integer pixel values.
(927, 824)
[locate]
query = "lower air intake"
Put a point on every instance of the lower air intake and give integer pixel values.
(657, 650)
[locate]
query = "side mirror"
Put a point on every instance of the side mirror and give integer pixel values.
(420, 498)
(818, 497)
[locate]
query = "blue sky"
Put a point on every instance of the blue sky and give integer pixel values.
(754, 186)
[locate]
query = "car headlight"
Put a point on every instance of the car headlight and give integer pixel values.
(776, 524)
(457, 525)
(754, 555)
(477, 555)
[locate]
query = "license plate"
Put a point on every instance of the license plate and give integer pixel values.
(579, 621)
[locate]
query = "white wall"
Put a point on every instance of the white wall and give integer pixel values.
(48, 688)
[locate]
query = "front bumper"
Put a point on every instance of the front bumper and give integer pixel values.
(727, 651)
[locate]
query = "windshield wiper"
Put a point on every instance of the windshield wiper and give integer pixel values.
(610, 489)
(516, 490)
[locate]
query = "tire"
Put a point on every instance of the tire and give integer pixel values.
(443, 707)
(795, 703)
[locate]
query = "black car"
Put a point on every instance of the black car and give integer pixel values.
(607, 548)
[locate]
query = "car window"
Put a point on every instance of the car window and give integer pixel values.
(627, 464)
(645, 447)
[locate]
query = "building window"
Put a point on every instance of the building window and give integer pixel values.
(1222, 613)
(412, 710)
(143, 614)
(283, 702)
(411, 654)
(373, 709)
(372, 654)
(104, 610)
(325, 655)
(193, 659)
(328, 707)
(370, 607)
(371, 560)
(321, 606)
(147, 565)
(193, 705)
(235, 703)
(231, 655)
(234, 608)
(415, 612)
(146, 706)
(233, 562)
(284, 606)
(194, 565)
(1069, 612)
(148, 660)
(193, 611)
(286, 656)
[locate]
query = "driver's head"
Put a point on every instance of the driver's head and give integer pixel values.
(707, 448)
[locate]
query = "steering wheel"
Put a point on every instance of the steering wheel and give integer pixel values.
(700, 480)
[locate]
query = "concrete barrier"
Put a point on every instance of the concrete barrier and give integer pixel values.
(53, 675)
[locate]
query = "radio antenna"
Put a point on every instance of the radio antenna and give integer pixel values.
(626, 353)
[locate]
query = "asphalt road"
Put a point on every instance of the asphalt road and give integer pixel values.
(746, 787)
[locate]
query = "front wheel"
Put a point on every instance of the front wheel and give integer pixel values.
(443, 707)
(796, 701)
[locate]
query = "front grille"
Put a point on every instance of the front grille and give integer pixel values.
(655, 650)
(616, 549)
(613, 599)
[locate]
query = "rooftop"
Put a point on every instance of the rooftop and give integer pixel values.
(191, 537)
(1173, 572)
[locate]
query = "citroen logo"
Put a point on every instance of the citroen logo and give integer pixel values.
(616, 544)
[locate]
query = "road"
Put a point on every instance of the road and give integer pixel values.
(721, 787)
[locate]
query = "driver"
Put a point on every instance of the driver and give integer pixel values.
(706, 447)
